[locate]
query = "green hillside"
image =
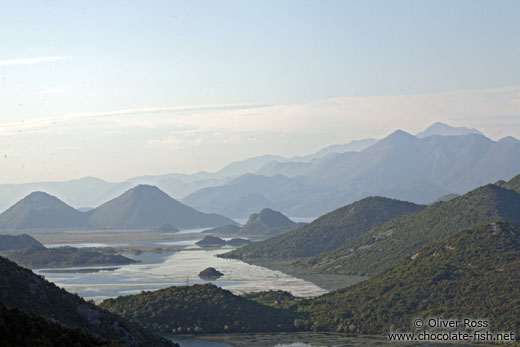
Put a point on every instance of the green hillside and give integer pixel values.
(474, 273)
(471, 274)
(329, 231)
(403, 236)
(199, 309)
(513, 184)
(20, 288)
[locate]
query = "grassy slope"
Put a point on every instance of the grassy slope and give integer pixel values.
(329, 231)
(473, 273)
(401, 237)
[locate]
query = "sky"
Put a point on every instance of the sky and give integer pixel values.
(117, 89)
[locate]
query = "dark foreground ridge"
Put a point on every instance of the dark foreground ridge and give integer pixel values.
(18, 328)
(20, 288)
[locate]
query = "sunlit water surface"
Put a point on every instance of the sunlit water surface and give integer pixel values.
(161, 270)
(158, 271)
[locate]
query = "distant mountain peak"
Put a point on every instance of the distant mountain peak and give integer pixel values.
(443, 129)
(144, 188)
(40, 210)
(397, 136)
(39, 196)
(270, 218)
(509, 139)
(146, 191)
(148, 206)
(400, 133)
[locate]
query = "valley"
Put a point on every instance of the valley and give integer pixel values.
(179, 173)
(349, 276)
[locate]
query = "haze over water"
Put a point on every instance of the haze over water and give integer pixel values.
(163, 270)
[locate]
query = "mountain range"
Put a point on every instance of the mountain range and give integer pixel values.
(400, 166)
(403, 236)
(473, 273)
(140, 207)
(372, 234)
(438, 161)
(91, 191)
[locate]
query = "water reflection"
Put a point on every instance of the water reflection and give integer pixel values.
(158, 271)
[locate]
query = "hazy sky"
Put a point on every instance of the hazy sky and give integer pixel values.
(116, 89)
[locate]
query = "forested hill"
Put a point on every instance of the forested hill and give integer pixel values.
(329, 231)
(22, 289)
(513, 184)
(474, 273)
(200, 309)
(403, 236)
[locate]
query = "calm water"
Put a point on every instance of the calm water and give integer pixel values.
(158, 271)
(303, 339)
(161, 270)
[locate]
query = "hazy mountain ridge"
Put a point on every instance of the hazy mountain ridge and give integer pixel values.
(401, 166)
(92, 191)
(41, 210)
(251, 191)
(139, 207)
(148, 206)
(446, 130)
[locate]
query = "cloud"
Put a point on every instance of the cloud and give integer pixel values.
(51, 91)
(25, 61)
(177, 142)
(192, 138)
(334, 119)
(170, 109)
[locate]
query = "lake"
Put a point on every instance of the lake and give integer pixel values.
(161, 270)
